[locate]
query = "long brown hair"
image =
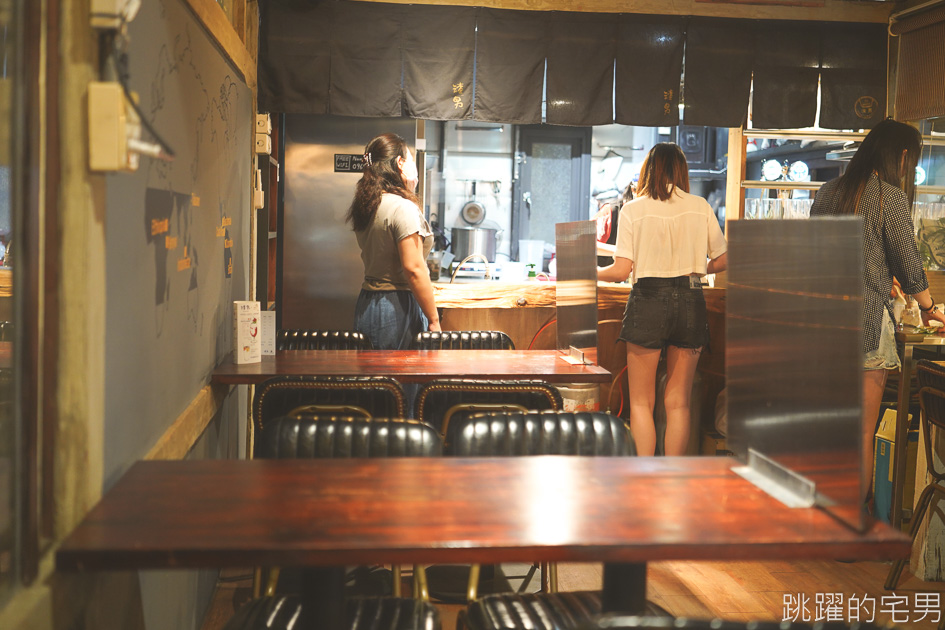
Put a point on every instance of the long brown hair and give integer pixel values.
(664, 170)
(381, 175)
(881, 152)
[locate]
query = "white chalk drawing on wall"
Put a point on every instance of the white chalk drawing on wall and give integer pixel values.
(203, 176)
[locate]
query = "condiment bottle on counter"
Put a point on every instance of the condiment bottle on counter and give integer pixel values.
(911, 315)
(531, 271)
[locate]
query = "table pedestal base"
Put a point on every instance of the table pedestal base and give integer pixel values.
(624, 588)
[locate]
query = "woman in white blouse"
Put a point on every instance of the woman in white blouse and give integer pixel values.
(667, 240)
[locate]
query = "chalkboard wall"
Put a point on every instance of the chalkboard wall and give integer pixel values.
(177, 254)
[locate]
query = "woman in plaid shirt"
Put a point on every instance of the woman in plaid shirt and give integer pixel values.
(879, 185)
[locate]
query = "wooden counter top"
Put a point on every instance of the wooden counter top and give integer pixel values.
(489, 294)
(517, 294)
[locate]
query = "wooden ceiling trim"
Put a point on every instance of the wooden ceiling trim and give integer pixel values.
(832, 11)
(215, 20)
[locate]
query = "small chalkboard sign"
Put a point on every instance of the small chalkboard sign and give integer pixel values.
(348, 163)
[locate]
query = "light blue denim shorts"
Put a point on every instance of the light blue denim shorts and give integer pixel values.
(885, 356)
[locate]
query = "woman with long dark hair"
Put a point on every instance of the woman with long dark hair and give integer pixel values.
(667, 239)
(396, 300)
(879, 186)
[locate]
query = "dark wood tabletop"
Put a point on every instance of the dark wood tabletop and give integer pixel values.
(413, 366)
(236, 513)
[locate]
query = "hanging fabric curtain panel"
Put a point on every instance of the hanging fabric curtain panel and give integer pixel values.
(566, 68)
(510, 66)
(439, 51)
(580, 81)
(853, 76)
(294, 57)
(648, 69)
(786, 71)
(366, 60)
(717, 75)
(920, 81)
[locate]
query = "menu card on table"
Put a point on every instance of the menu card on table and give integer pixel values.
(246, 328)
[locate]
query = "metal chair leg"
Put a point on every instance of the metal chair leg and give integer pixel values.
(472, 589)
(421, 590)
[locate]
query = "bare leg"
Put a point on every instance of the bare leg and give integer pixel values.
(874, 381)
(680, 371)
(641, 373)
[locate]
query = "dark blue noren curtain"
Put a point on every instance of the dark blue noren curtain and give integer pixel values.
(366, 60)
(439, 50)
(580, 79)
(294, 57)
(853, 76)
(510, 65)
(787, 67)
(717, 81)
(452, 62)
(649, 67)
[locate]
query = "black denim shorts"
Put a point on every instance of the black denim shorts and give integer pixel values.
(665, 312)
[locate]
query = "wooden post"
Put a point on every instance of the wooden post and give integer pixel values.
(734, 193)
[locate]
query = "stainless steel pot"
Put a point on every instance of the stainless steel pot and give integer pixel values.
(473, 240)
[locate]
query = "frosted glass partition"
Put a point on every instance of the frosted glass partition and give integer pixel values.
(576, 286)
(794, 354)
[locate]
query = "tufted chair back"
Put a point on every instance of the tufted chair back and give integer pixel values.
(308, 436)
(440, 400)
(463, 340)
(506, 434)
(365, 396)
(322, 340)
(544, 611)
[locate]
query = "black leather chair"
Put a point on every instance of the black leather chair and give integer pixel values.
(463, 340)
(437, 403)
(624, 622)
(515, 434)
(512, 434)
(308, 436)
(363, 396)
(287, 612)
(541, 611)
(528, 434)
(931, 378)
(440, 400)
(297, 339)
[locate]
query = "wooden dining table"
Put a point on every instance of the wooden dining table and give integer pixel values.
(413, 366)
(622, 511)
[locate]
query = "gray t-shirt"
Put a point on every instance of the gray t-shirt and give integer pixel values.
(396, 219)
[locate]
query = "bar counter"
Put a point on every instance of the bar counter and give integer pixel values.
(526, 312)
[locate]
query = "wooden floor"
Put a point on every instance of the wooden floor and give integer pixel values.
(730, 590)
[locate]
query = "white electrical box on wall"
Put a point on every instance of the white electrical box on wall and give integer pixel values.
(263, 143)
(259, 195)
(263, 123)
(111, 14)
(112, 124)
